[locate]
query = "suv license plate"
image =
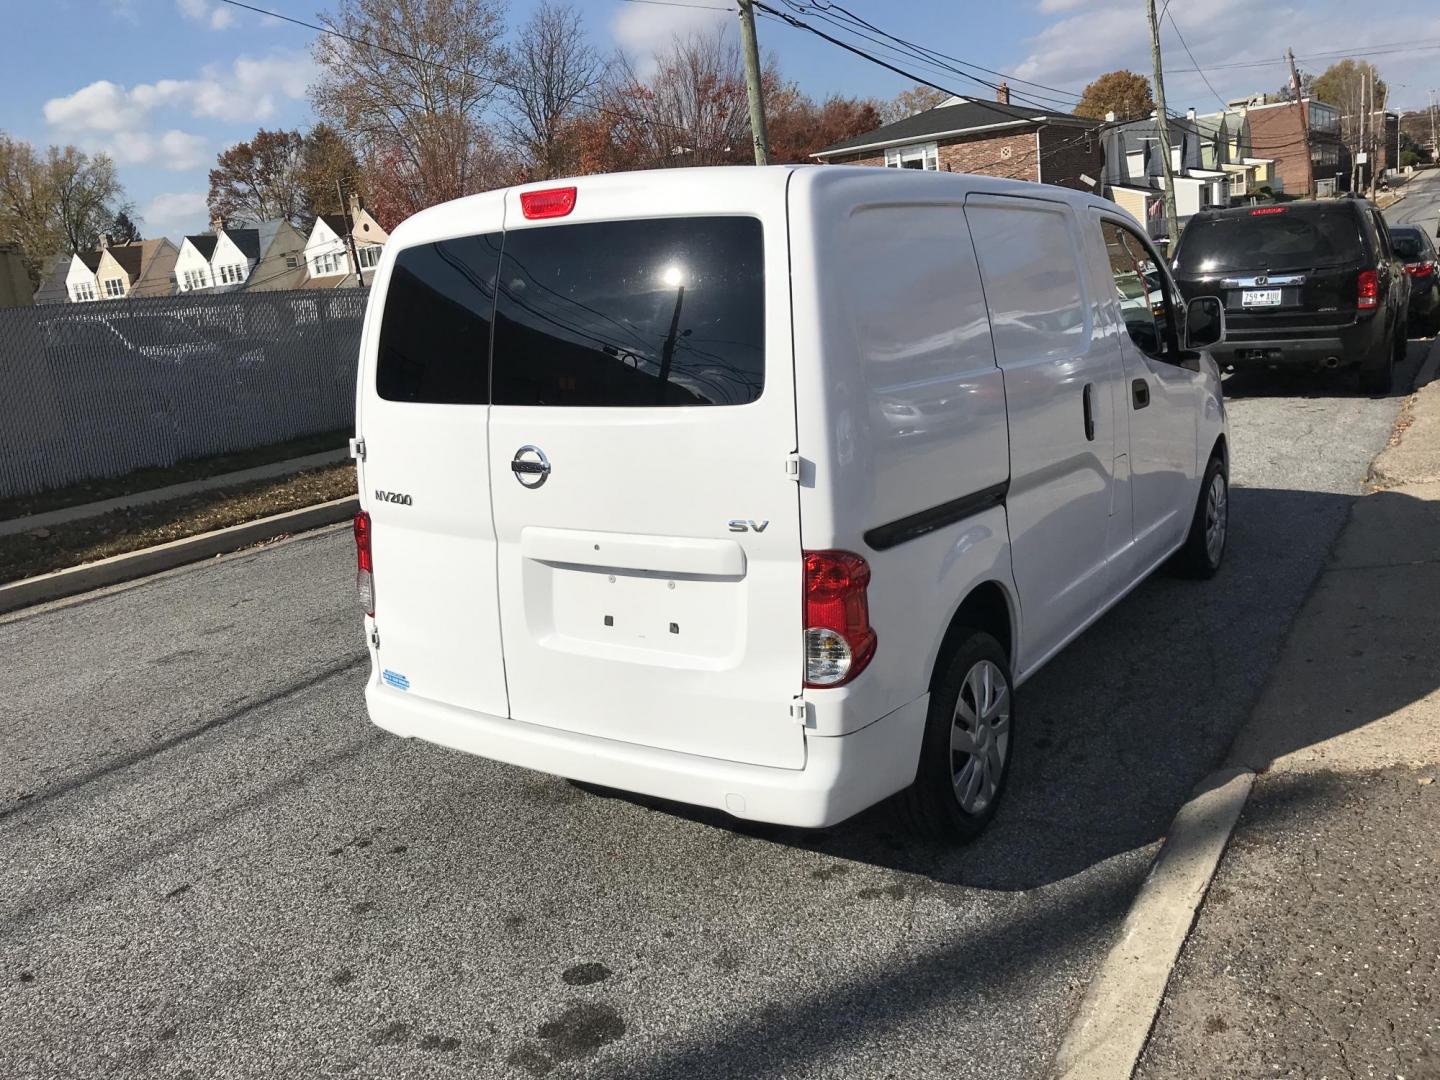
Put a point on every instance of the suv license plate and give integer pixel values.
(1260, 298)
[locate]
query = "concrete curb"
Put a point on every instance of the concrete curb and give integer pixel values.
(134, 564)
(173, 491)
(1110, 1029)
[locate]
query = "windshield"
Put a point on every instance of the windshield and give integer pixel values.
(1407, 244)
(154, 330)
(1270, 238)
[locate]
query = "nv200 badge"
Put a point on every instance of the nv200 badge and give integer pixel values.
(393, 497)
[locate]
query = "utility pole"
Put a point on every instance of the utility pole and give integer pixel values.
(753, 89)
(349, 237)
(1172, 223)
(1434, 143)
(1304, 119)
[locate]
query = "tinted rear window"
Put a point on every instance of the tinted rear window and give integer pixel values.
(1286, 240)
(1407, 244)
(667, 311)
(435, 333)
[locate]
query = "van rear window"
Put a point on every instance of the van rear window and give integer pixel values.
(1270, 238)
(435, 331)
(661, 311)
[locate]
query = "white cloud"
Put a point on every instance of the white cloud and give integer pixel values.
(640, 30)
(173, 213)
(215, 16)
(173, 149)
(101, 106)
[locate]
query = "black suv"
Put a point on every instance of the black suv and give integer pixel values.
(1312, 283)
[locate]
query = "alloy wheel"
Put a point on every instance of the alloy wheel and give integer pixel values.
(980, 737)
(1217, 510)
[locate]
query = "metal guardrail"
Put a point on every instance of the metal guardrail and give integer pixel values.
(99, 389)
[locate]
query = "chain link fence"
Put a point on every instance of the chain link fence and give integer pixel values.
(98, 389)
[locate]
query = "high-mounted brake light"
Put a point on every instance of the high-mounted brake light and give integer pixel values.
(839, 640)
(1367, 290)
(1266, 211)
(364, 563)
(553, 202)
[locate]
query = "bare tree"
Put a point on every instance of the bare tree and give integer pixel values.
(553, 70)
(409, 81)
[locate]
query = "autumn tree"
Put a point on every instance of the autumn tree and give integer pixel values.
(552, 72)
(327, 166)
(58, 201)
(798, 127)
(409, 83)
(1352, 87)
(1124, 93)
(259, 180)
(909, 102)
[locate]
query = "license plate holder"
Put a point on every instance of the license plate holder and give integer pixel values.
(1253, 298)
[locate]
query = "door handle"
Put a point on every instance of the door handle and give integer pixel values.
(1140, 391)
(1089, 410)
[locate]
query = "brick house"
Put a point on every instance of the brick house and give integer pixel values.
(992, 138)
(1277, 132)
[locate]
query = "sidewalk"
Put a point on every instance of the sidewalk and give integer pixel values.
(1317, 951)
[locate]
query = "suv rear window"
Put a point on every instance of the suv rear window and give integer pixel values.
(661, 311)
(435, 331)
(1275, 239)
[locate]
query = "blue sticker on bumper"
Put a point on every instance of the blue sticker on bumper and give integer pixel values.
(395, 679)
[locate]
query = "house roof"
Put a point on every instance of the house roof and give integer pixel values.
(944, 120)
(52, 285)
(204, 243)
(338, 225)
(247, 240)
(332, 281)
(91, 259)
(129, 256)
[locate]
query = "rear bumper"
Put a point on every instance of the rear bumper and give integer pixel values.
(843, 774)
(1349, 345)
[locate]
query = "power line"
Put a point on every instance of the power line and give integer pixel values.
(1176, 27)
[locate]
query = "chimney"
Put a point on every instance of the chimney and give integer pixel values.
(1002, 93)
(355, 207)
(104, 241)
(1110, 117)
(1190, 113)
(217, 223)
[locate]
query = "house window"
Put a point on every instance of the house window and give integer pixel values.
(114, 287)
(369, 255)
(292, 261)
(1323, 118)
(918, 156)
(329, 263)
(232, 274)
(84, 291)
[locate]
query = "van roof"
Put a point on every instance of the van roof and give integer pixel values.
(461, 215)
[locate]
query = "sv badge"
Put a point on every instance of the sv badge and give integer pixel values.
(749, 526)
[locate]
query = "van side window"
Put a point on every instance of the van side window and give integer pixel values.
(642, 312)
(435, 332)
(1139, 289)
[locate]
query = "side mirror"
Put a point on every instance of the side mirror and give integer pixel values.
(1204, 323)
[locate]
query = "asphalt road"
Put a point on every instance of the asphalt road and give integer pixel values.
(1421, 205)
(211, 865)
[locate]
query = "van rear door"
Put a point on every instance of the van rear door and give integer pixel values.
(642, 421)
(421, 405)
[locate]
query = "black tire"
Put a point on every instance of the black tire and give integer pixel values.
(1377, 374)
(931, 807)
(1199, 558)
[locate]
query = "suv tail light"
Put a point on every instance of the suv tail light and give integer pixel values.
(838, 639)
(553, 202)
(1420, 269)
(1368, 290)
(364, 564)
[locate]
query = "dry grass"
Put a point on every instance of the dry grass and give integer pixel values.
(27, 554)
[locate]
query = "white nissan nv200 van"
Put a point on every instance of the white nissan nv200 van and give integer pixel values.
(764, 488)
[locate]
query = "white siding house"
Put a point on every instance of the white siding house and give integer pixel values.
(234, 257)
(192, 265)
(80, 282)
(327, 253)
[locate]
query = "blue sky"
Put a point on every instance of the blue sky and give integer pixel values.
(164, 85)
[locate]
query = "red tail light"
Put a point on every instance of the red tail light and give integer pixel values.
(1368, 290)
(1420, 269)
(554, 202)
(1266, 211)
(839, 641)
(364, 563)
